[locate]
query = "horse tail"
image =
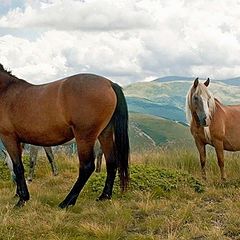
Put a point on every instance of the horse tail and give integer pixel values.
(121, 140)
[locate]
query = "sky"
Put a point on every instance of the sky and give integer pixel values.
(126, 40)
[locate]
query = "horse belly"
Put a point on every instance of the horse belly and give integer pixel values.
(231, 144)
(47, 137)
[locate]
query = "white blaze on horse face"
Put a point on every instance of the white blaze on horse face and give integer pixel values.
(206, 110)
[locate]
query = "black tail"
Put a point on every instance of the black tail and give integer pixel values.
(121, 140)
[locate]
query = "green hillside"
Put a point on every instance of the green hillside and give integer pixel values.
(167, 99)
(148, 131)
(146, 106)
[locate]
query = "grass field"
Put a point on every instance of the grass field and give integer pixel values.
(147, 131)
(166, 200)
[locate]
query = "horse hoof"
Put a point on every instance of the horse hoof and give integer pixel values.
(20, 204)
(62, 205)
(16, 195)
(66, 205)
(104, 197)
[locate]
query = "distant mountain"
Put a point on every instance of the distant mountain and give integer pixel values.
(173, 78)
(230, 81)
(146, 106)
(167, 99)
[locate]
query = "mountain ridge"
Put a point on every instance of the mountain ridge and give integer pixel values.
(229, 81)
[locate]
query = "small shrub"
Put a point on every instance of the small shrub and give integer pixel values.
(149, 178)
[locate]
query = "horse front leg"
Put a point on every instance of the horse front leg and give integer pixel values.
(202, 156)
(220, 157)
(15, 150)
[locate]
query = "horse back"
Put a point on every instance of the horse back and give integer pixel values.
(49, 112)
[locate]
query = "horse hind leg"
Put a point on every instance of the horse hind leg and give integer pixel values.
(32, 161)
(87, 166)
(220, 157)
(106, 140)
(50, 157)
(99, 155)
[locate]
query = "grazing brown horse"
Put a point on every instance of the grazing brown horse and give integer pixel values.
(84, 106)
(212, 123)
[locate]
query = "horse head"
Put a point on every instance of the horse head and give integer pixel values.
(201, 102)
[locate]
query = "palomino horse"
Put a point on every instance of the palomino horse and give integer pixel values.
(84, 106)
(212, 123)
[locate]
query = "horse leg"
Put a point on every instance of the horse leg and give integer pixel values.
(87, 166)
(99, 160)
(33, 161)
(106, 140)
(220, 157)
(50, 156)
(9, 163)
(202, 153)
(14, 149)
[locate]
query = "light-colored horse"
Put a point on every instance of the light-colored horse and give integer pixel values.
(212, 123)
(33, 152)
(49, 152)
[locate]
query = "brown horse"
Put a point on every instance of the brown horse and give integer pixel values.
(212, 123)
(84, 106)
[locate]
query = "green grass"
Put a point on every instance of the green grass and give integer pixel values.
(166, 200)
(147, 131)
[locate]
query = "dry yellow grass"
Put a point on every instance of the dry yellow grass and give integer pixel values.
(179, 214)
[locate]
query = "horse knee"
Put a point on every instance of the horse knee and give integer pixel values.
(88, 168)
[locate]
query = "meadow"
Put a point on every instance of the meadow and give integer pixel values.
(167, 199)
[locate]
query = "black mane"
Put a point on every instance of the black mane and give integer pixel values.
(2, 69)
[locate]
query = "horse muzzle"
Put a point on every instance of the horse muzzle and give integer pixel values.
(204, 122)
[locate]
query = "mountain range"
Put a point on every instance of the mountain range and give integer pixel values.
(165, 97)
(157, 109)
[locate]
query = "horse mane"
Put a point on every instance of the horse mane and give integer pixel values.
(2, 69)
(203, 90)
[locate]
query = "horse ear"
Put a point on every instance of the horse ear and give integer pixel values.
(207, 82)
(195, 84)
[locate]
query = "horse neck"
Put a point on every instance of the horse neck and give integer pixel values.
(218, 106)
(8, 80)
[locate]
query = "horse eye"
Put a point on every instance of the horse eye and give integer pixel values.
(195, 98)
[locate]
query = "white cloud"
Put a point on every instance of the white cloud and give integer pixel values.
(57, 54)
(91, 15)
(124, 40)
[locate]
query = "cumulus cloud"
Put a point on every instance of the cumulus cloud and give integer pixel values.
(124, 40)
(91, 15)
(57, 54)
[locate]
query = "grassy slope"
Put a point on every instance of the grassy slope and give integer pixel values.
(145, 106)
(175, 213)
(161, 131)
